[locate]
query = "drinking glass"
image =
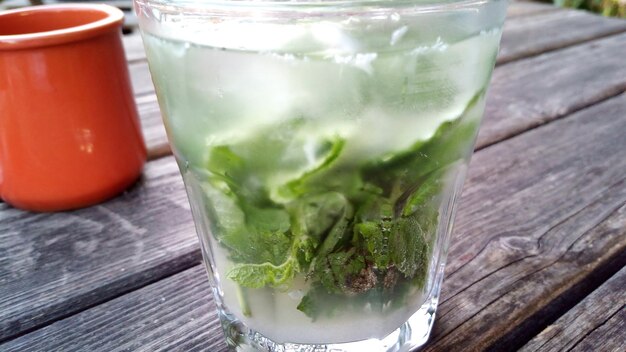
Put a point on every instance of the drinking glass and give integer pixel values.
(323, 145)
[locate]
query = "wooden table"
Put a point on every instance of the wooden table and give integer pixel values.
(536, 262)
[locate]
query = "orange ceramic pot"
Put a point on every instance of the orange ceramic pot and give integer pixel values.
(69, 130)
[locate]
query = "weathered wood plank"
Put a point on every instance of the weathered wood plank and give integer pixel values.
(528, 93)
(52, 265)
(598, 323)
(545, 214)
(532, 35)
(152, 126)
(527, 8)
(174, 314)
(513, 253)
(140, 78)
(133, 46)
(611, 336)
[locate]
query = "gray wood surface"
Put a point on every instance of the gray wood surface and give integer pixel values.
(610, 336)
(134, 47)
(174, 314)
(152, 126)
(597, 323)
(531, 92)
(52, 265)
(542, 218)
(531, 35)
(527, 8)
(513, 251)
(140, 78)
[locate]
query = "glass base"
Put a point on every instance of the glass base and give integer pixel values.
(410, 335)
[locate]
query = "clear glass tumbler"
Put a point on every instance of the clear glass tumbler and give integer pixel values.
(323, 145)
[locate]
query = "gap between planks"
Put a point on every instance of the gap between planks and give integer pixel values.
(582, 328)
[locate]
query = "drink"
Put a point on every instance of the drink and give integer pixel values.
(322, 158)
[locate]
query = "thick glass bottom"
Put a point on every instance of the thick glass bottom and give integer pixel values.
(408, 336)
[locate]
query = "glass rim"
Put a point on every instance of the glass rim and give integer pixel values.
(309, 7)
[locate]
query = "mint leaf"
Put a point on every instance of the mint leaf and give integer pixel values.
(412, 243)
(318, 219)
(228, 224)
(314, 215)
(266, 219)
(266, 274)
(376, 216)
(340, 231)
(335, 271)
(361, 233)
(309, 306)
(267, 234)
(376, 242)
(330, 175)
(408, 245)
(451, 142)
(427, 189)
(318, 302)
(252, 234)
(331, 152)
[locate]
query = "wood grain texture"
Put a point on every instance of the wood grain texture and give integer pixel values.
(514, 250)
(174, 314)
(543, 215)
(598, 323)
(52, 265)
(610, 337)
(528, 93)
(532, 35)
